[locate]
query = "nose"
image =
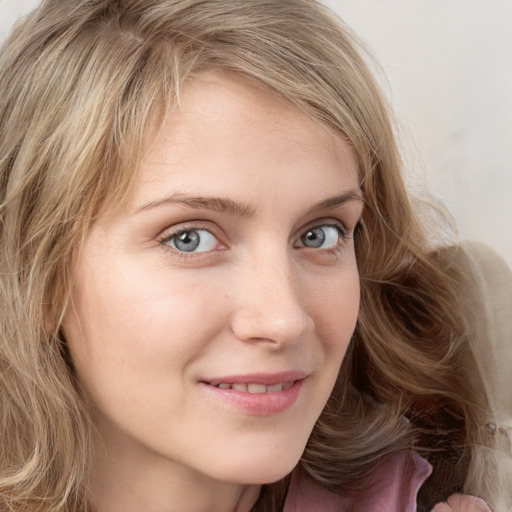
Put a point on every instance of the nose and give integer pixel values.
(269, 306)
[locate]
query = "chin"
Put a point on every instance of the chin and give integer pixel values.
(266, 464)
(261, 475)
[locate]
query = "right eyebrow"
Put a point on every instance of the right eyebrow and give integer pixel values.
(217, 204)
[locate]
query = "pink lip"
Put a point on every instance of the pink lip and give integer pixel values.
(258, 404)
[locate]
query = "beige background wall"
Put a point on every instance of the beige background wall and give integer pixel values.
(449, 70)
(449, 75)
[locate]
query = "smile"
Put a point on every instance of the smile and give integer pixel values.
(257, 394)
(255, 387)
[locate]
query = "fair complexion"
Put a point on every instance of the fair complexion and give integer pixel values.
(462, 503)
(212, 312)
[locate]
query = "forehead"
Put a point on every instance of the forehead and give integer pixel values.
(222, 118)
(221, 100)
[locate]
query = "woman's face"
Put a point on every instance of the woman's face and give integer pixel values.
(212, 312)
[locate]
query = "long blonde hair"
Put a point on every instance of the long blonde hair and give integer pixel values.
(83, 82)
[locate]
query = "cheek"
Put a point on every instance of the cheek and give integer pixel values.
(335, 307)
(336, 312)
(135, 326)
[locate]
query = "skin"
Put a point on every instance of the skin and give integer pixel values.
(462, 503)
(150, 325)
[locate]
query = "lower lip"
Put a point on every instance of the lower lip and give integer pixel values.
(259, 404)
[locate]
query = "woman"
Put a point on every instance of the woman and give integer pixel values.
(215, 293)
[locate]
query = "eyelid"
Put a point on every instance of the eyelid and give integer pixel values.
(215, 231)
(326, 222)
(199, 225)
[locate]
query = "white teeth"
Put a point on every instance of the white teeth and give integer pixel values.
(256, 388)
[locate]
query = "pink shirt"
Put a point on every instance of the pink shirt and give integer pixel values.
(392, 488)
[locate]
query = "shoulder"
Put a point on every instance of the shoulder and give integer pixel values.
(393, 486)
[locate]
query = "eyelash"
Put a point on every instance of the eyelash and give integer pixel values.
(336, 251)
(344, 235)
(340, 228)
(168, 236)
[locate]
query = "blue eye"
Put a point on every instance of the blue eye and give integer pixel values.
(321, 237)
(192, 240)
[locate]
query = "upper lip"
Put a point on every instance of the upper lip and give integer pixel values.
(266, 379)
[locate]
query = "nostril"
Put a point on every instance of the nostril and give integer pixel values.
(275, 328)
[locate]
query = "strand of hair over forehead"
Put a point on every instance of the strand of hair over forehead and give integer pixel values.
(140, 20)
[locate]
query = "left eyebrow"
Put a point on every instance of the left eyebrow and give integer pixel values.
(333, 202)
